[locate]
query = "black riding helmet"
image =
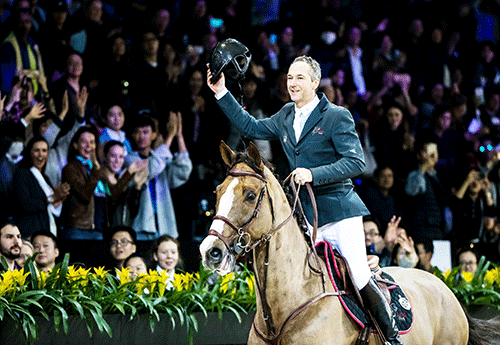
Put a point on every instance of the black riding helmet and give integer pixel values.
(231, 57)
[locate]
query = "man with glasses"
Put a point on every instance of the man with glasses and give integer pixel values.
(121, 244)
(375, 244)
(467, 259)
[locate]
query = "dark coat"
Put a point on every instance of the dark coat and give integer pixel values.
(30, 203)
(328, 146)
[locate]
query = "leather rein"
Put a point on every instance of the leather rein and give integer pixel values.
(238, 243)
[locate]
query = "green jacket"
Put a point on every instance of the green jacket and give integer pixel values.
(329, 146)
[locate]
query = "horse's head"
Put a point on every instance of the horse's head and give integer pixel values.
(244, 213)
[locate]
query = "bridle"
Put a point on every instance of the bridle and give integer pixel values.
(238, 243)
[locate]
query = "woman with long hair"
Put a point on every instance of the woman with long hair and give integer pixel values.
(36, 201)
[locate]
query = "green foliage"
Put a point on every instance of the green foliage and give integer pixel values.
(92, 293)
(474, 289)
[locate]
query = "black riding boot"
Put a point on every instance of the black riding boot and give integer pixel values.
(375, 302)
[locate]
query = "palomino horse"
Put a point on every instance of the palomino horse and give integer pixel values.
(253, 213)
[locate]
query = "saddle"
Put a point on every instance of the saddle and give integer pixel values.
(341, 279)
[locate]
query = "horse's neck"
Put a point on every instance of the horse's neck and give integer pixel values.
(284, 270)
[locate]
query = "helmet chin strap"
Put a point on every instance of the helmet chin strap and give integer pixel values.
(241, 92)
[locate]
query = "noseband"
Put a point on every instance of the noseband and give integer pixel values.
(238, 243)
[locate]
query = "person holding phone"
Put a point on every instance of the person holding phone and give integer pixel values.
(427, 199)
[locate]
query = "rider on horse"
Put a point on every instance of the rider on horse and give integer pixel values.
(323, 149)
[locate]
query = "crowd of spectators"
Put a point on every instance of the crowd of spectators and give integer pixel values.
(106, 120)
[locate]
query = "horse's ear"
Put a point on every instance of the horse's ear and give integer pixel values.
(254, 155)
(228, 156)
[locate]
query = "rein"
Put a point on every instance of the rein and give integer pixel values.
(239, 243)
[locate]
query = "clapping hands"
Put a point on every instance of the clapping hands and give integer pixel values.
(61, 192)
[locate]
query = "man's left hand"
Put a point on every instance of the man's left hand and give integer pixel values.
(302, 176)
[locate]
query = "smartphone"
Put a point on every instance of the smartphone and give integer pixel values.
(273, 38)
(216, 22)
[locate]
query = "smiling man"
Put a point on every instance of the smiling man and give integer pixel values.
(322, 148)
(10, 242)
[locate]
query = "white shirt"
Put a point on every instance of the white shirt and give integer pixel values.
(301, 116)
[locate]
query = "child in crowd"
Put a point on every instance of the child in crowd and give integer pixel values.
(137, 266)
(165, 253)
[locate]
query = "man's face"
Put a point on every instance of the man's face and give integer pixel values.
(74, 65)
(10, 242)
(25, 19)
(301, 86)
(47, 250)
(423, 256)
(372, 233)
(150, 43)
(143, 137)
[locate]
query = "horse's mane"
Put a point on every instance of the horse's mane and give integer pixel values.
(242, 157)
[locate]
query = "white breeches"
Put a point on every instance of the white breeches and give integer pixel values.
(348, 238)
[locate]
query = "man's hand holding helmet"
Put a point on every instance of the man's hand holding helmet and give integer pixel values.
(219, 86)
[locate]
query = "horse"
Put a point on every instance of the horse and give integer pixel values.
(294, 305)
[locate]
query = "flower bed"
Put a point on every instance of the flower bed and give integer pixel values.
(90, 294)
(477, 291)
(76, 305)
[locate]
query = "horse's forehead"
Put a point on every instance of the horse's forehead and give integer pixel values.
(242, 181)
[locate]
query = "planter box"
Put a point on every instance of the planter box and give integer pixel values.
(483, 312)
(211, 330)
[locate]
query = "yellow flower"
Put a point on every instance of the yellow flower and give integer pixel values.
(12, 279)
(142, 284)
(124, 275)
(100, 272)
(182, 281)
(226, 280)
(492, 276)
(78, 275)
(251, 284)
(4, 288)
(447, 274)
(468, 276)
(42, 279)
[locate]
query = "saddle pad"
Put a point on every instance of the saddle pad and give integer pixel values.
(400, 305)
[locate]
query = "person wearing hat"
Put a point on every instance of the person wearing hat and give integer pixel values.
(323, 149)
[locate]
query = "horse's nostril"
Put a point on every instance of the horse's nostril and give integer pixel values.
(215, 255)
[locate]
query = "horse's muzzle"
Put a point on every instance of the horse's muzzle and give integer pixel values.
(215, 255)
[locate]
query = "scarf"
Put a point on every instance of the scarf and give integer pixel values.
(51, 210)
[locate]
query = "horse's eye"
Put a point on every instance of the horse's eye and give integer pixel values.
(250, 196)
